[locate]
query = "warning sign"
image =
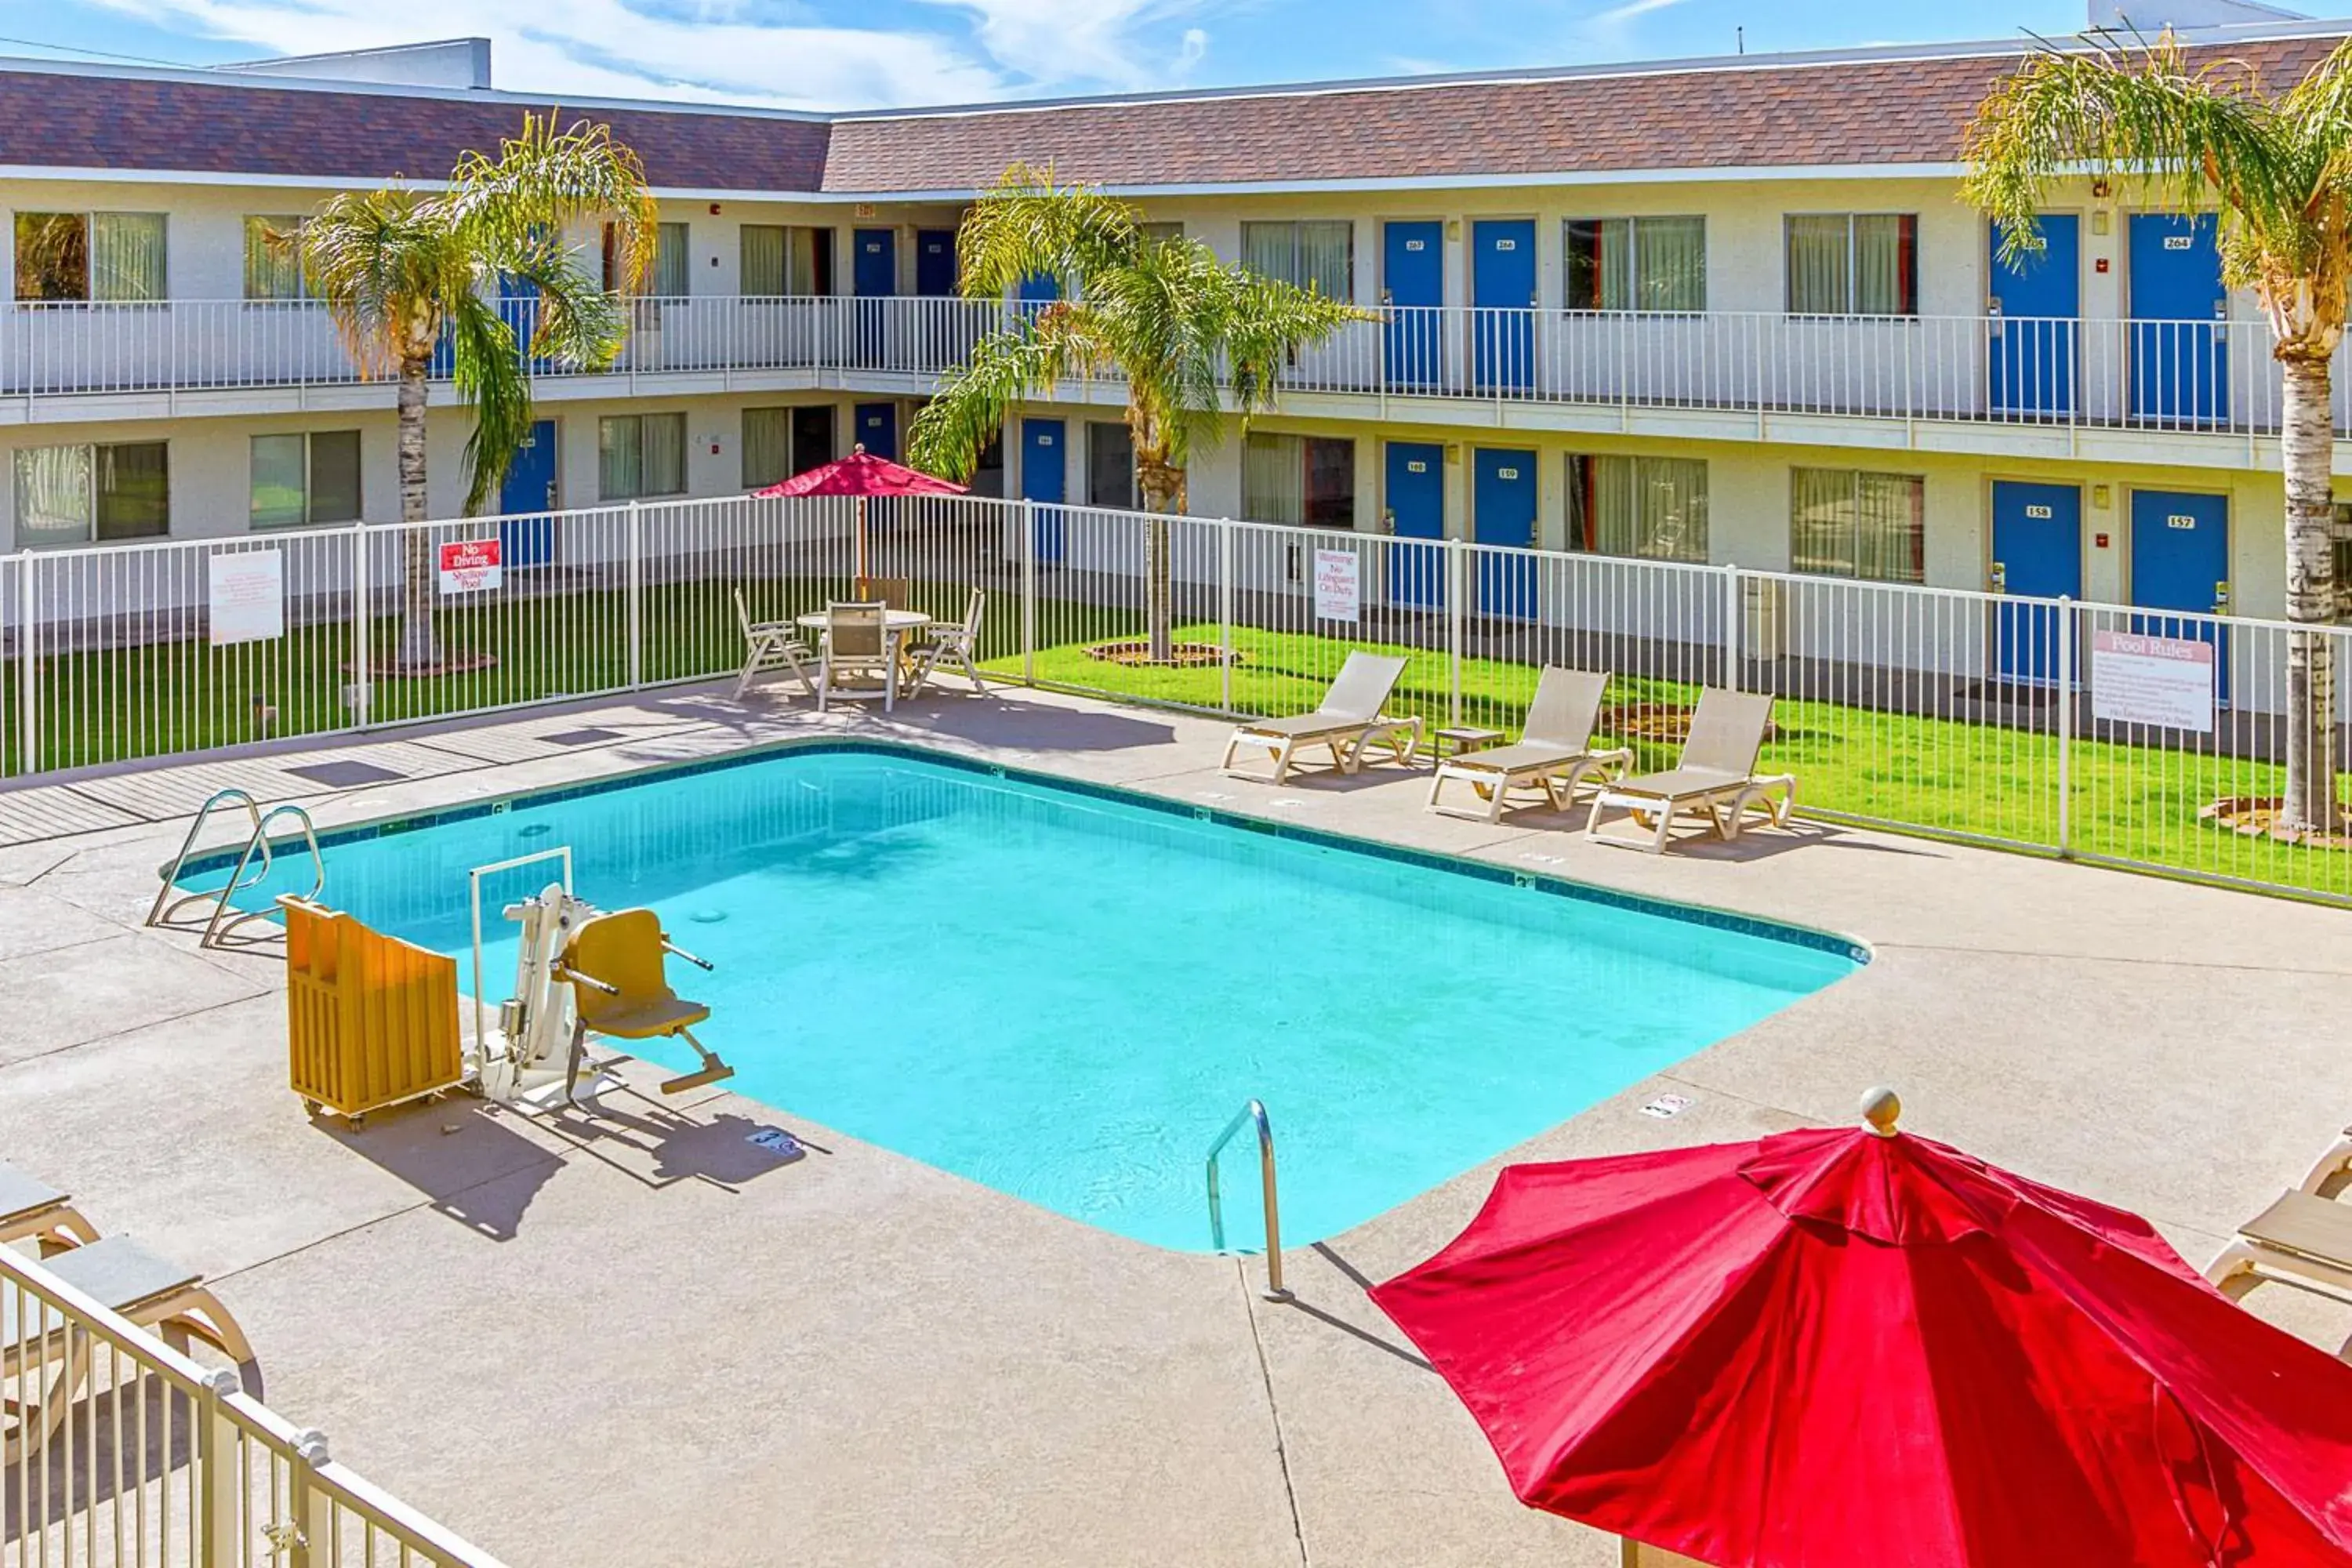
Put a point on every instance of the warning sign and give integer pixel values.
(1338, 584)
(469, 565)
(2141, 679)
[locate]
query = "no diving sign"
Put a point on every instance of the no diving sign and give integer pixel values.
(469, 565)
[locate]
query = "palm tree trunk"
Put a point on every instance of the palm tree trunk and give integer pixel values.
(419, 647)
(1163, 493)
(2307, 449)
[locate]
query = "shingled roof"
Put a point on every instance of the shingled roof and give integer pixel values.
(1884, 108)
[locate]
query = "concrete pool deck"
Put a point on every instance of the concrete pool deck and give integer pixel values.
(642, 1340)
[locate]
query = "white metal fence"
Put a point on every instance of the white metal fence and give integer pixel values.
(150, 1460)
(2015, 721)
(2195, 376)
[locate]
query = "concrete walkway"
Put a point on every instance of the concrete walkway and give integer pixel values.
(641, 1340)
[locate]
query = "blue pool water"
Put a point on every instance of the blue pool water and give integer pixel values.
(1065, 993)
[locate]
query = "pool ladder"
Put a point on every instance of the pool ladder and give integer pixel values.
(1253, 1112)
(224, 920)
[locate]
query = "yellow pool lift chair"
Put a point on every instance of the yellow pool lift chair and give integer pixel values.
(616, 965)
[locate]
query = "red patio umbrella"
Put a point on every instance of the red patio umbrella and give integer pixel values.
(862, 474)
(1857, 1346)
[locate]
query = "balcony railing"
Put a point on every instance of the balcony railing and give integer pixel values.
(2211, 377)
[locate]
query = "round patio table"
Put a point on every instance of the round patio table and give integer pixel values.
(897, 626)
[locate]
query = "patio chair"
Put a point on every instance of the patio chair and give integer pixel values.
(770, 645)
(957, 645)
(893, 592)
(1716, 777)
(34, 1211)
(1554, 753)
(1348, 720)
(2333, 1172)
(856, 642)
(616, 967)
(2301, 1240)
(48, 1361)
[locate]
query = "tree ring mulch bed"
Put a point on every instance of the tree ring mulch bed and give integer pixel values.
(1182, 655)
(2256, 816)
(1657, 723)
(387, 665)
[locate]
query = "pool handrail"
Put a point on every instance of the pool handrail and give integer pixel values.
(158, 913)
(1255, 1111)
(217, 929)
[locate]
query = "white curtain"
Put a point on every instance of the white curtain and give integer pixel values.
(810, 271)
(1886, 264)
(1820, 281)
(620, 457)
(764, 263)
(1612, 505)
(1890, 527)
(272, 270)
(53, 495)
(1671, 493)
(1671, 253)
(672, 275)
(1270, 249)
(767, 445)
(1326, 259)
(665, 458)
(1821, 521)
(126, 257)
(1274, 478)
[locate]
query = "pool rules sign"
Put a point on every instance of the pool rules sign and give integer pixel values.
(2164, 682)
(469, 565)
(1338, 584)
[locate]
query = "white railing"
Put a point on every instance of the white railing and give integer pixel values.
(153, 1461)
(1948, 710)
(2181, 376)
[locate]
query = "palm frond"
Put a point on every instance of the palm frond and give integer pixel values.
(379, 260)
(486, 364)
(1027, 226)
(968, 410)
(576, 320)
(544, 181)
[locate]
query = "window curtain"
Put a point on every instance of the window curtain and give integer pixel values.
(1274, 478)
(1672, 255)
(1890, 531)
(620, 457)
(1886, 264)
(1326, 259)
(1821, 521)
(1670, 503)
(272, 270)
(53, 495)
(279, 483)
(672, 277)
(767, 445)
(1612, 505)
(126, 256)
(764, 265)
(1819, 254)
(1271, 250)
(134, 489)
(664, 454)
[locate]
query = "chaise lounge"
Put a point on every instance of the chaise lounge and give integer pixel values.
(1716, 777)
(1554, 753)
(1348, 720)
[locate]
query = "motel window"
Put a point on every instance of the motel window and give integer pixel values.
(312, 478)
(1160, 232)
(110, 257)
(812, 436)
(779, 259)
(273, 269)
(1869, 526)
(640, 455)
(1308, 479)
(1651, 508)
(77, 494)
(1110, 465)
(1636, 264)
(1854, 264)
(780, 442)
(671, 275)
(1320, 256)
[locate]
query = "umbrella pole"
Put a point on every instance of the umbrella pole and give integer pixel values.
(861, 543)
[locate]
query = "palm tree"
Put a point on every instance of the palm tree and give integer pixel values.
(2278, 165)
(403, 271)
(1191, 335)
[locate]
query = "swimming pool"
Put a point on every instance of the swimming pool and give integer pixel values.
(1064, 992)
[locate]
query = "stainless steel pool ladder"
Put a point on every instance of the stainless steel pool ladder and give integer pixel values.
(225, 918)
(1255, 1111)
(166, 908)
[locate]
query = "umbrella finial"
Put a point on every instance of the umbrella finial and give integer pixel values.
(1880, 1106)
(857, 448)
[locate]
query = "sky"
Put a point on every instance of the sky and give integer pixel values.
(863, 54)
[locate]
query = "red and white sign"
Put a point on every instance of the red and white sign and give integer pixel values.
(2141, 679)
(1338, 584)
(469, 565)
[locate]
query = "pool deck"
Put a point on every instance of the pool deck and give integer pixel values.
(644, 1340)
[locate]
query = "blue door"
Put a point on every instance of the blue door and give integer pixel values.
(2039, 301)
(873, 277)
(935, 262)
(1503, 511)
(878, 429)
(1046, 478)
(1415, 492)
(2179, 349)
(2037, 551)
(1503, 290)
(2181, 561)
(529, 487)
(1413, 283)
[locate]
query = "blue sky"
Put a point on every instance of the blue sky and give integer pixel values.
(865, 53)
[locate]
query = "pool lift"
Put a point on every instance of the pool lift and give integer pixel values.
(578, 971)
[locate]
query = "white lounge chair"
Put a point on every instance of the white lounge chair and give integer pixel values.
(2301, 1240)
(768, 646)
(2333, 1172)
(951, 644)
(857, 642)
(1716, 777)
(34, 1211)
(1553, 754)
(1348, 720)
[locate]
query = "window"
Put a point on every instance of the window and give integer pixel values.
(1306, 479)
(812, 436)
(1653, 508)
(670, 277)
(779, 260)
(1318, 255)
(111, 257)
(72, 495)
(767, 447)
(1160, 233)
(1110, 465)
(1860, 264)
(306, 478)
(273, 270)
(1636, 264)
(641, 455)
(1846, 524)
(2342, 530)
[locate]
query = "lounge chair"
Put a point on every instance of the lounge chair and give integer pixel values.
(957, 645)
(48, 1362)
(615, 965)
(1716, 777)
(2301, 1240)
(1554, 753)
(2333, 1172)
(1349, 721)
(857, 642)
(770, 645)
(35, 1211)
